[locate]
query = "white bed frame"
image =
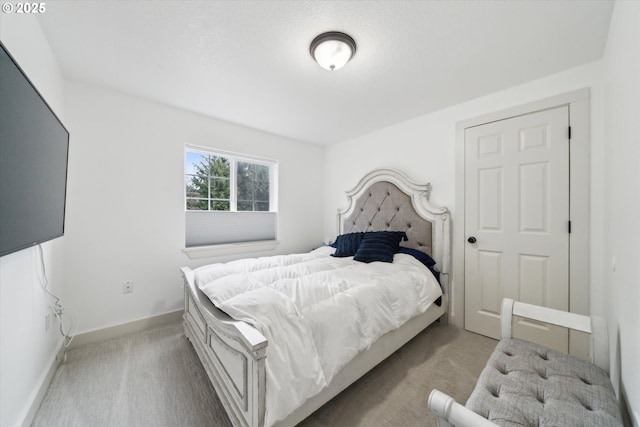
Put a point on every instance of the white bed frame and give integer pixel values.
(233, 352)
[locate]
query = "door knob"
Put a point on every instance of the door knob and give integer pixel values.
(471, 239)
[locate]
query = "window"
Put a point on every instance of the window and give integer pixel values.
(222, 182)
(229, 198)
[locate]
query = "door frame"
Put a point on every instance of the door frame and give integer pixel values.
(578, 102)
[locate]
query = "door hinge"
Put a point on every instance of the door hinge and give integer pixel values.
(569, 132)
(569, 228)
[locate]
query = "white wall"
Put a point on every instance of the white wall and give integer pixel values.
(125, 218)
(622, 181)
(125, 214)
(424, 148)
(27, 351)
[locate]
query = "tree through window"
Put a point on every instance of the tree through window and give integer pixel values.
(223, 182)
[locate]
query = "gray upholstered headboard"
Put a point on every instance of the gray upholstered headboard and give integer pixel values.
(386, 199)
(384, 206)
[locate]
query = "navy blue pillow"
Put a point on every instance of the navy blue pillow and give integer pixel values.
(379, 246)
(419, 255)
(347, 244)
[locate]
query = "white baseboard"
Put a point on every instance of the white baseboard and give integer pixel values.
(629, 415)
(38, 394)
(126, 328)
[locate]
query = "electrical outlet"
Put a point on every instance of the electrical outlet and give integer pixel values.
(127, 287)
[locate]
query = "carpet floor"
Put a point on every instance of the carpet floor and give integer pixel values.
(154, 378)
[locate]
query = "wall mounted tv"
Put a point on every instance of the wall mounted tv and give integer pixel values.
(34, 147)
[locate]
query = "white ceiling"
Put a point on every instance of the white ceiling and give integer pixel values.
(248, 62)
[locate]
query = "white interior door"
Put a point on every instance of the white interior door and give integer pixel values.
(517, 221)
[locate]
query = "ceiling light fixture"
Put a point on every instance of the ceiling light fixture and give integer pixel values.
(332, 50)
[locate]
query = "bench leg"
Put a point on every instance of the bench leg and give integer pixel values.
(452, 414)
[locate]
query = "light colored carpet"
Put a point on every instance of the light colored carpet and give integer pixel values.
(155, 379)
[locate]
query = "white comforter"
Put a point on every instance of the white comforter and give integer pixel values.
(317, 312)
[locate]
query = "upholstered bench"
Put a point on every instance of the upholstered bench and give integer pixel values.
(525, 384)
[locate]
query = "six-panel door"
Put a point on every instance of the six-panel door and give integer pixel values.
(516, 215)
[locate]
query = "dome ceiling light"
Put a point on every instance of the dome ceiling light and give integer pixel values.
(332, 50)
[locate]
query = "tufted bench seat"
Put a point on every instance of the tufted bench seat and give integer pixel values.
(525, 384)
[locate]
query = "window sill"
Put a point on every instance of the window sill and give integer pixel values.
(197, 252)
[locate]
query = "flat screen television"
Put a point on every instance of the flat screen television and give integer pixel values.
(34, 147)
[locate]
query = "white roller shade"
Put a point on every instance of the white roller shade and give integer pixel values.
(205, 228)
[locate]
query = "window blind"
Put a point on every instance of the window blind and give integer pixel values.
(223, 227)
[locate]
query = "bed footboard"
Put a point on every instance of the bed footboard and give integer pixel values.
(232, 353)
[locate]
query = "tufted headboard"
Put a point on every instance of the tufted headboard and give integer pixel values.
(386, 199)
(384, 206)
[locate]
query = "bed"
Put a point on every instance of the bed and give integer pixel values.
(234, 352)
